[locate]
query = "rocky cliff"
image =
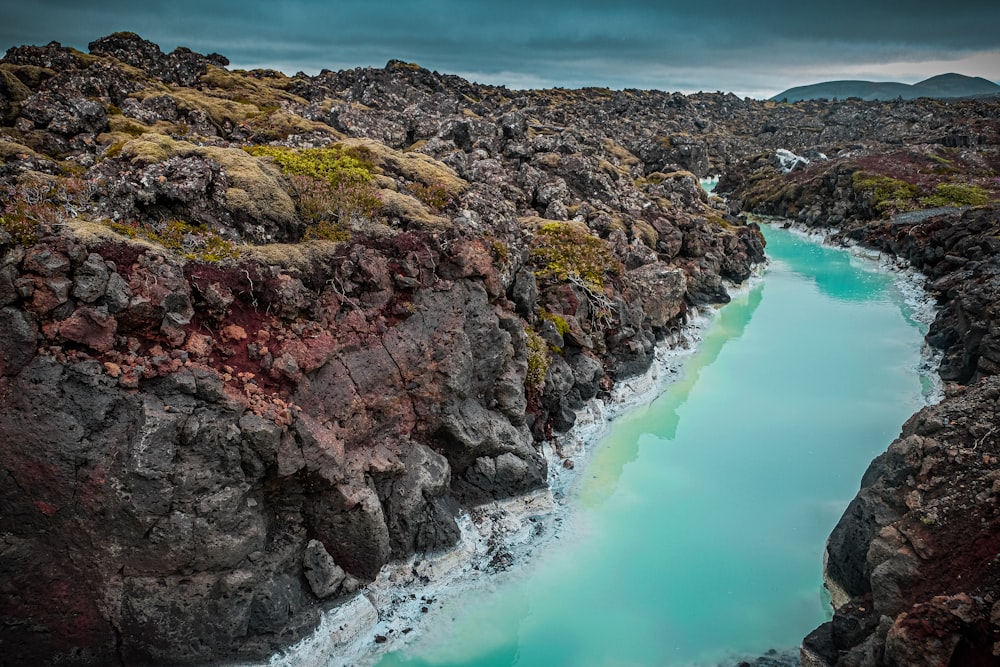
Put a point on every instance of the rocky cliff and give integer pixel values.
(260, 335)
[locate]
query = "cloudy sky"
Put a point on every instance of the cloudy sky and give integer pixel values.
(750, 48)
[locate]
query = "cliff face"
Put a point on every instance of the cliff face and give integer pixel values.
(260, 335)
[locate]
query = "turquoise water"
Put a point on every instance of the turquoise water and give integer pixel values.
(698, 525)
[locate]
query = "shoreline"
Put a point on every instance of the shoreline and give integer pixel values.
(496, 538)
(501, 537)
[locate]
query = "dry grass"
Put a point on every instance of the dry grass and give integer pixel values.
(302, 256)
(413, 166)
(405, 207)
(621, 153)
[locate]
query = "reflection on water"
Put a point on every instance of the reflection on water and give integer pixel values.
(661, 418)
(698, 524)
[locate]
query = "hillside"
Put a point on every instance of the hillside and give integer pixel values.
(942, 86)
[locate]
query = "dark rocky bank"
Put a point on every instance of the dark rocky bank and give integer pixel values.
(263, 334)
(913, 563)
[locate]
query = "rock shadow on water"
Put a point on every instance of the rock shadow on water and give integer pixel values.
(610, 459)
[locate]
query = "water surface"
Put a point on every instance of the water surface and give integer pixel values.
(697, 527)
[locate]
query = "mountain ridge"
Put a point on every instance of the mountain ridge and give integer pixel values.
(950, 85)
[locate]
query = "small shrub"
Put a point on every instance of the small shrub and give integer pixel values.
(501, 250)
(22, 229)
(327, 230)
(562, 326)
(435, 196)
(569, 252)
(26, 209)
(318, 201)
(329, 185)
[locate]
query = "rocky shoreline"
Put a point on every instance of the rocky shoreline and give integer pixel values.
(911, 564)
(249, 360)
(497, 538)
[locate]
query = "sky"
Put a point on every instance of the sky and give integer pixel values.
(754, 49)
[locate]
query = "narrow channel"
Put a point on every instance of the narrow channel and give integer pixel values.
(698, 525)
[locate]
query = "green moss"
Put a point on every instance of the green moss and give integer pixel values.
(336, 165)
(121, 124)
(22, 229)
(886, 192)
(151, 148)
(412, 166)
(501, 250)
(332, 186)
(222, 112)
(568, 251)
(400, 65)
(562, 326)
(719, 221)
(12, 150)
(956, 194)
(538, 361)
(191, 241)
(12, 87)
(31, 76)
(274, 124)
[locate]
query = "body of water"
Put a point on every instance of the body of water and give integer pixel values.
(697, 527)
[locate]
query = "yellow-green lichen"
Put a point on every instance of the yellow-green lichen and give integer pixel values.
(956, 194)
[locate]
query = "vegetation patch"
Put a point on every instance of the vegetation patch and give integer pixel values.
(560, 323)
(222, 112)
(412, 166)
(332, 186)
(538, 361)
(30, 207)
(956, 194)
(337, 164)
(886, 192)
(191, 241)
(567, 251)
(435, 196)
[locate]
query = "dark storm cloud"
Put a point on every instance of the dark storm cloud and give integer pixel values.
(625, 43)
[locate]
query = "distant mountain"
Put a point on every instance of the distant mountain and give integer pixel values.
(940, 86)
